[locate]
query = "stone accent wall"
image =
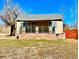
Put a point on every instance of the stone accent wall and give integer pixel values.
(48, 36)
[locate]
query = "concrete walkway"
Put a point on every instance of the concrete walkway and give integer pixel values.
(6, 36)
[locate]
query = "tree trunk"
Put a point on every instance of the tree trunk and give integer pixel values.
(12, 31)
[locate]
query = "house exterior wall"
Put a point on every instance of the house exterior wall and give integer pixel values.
(18, 27)
(59, 27)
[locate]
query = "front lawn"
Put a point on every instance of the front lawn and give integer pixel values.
(20, 43)
(38, 49)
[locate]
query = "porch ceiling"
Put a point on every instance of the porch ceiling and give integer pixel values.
(37, 17)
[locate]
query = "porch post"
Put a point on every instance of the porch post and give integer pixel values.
(18, 24)
(50, 26)
(37, 29)
(59, 27)
(50, 29)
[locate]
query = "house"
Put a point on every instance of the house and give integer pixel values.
(4, 28)
(39, 23)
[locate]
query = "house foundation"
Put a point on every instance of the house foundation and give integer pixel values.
(46, 36)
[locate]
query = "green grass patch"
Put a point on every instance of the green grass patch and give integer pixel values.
(20, 43)
(25, 42)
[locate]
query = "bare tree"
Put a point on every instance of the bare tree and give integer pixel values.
(10, 14)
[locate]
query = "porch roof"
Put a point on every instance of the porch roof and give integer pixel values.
(35, 17)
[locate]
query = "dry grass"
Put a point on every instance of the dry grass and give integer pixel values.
(21, 43)
(38, 49)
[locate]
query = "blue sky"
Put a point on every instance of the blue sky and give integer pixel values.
(66, 7)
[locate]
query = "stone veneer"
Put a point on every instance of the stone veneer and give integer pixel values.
(48, 36)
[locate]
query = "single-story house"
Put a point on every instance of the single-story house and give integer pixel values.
(39, 23)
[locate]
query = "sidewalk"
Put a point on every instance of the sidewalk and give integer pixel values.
(6, 36)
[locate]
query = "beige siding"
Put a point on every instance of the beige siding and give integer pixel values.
(18, 25)
(59, 27)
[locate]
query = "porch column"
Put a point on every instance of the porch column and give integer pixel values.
(59, 27)
(37, 29)
(50, 27)
(18, 25)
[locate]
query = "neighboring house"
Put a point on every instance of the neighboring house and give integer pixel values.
(39, 23)
(4, 28)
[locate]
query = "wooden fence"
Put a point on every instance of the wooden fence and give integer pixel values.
(72, 34)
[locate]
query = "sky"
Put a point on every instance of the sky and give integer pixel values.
(68, 8)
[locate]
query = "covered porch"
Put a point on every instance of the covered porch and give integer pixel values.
(36, 27)
(41, 26)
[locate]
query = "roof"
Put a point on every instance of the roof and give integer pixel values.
(33, 17)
